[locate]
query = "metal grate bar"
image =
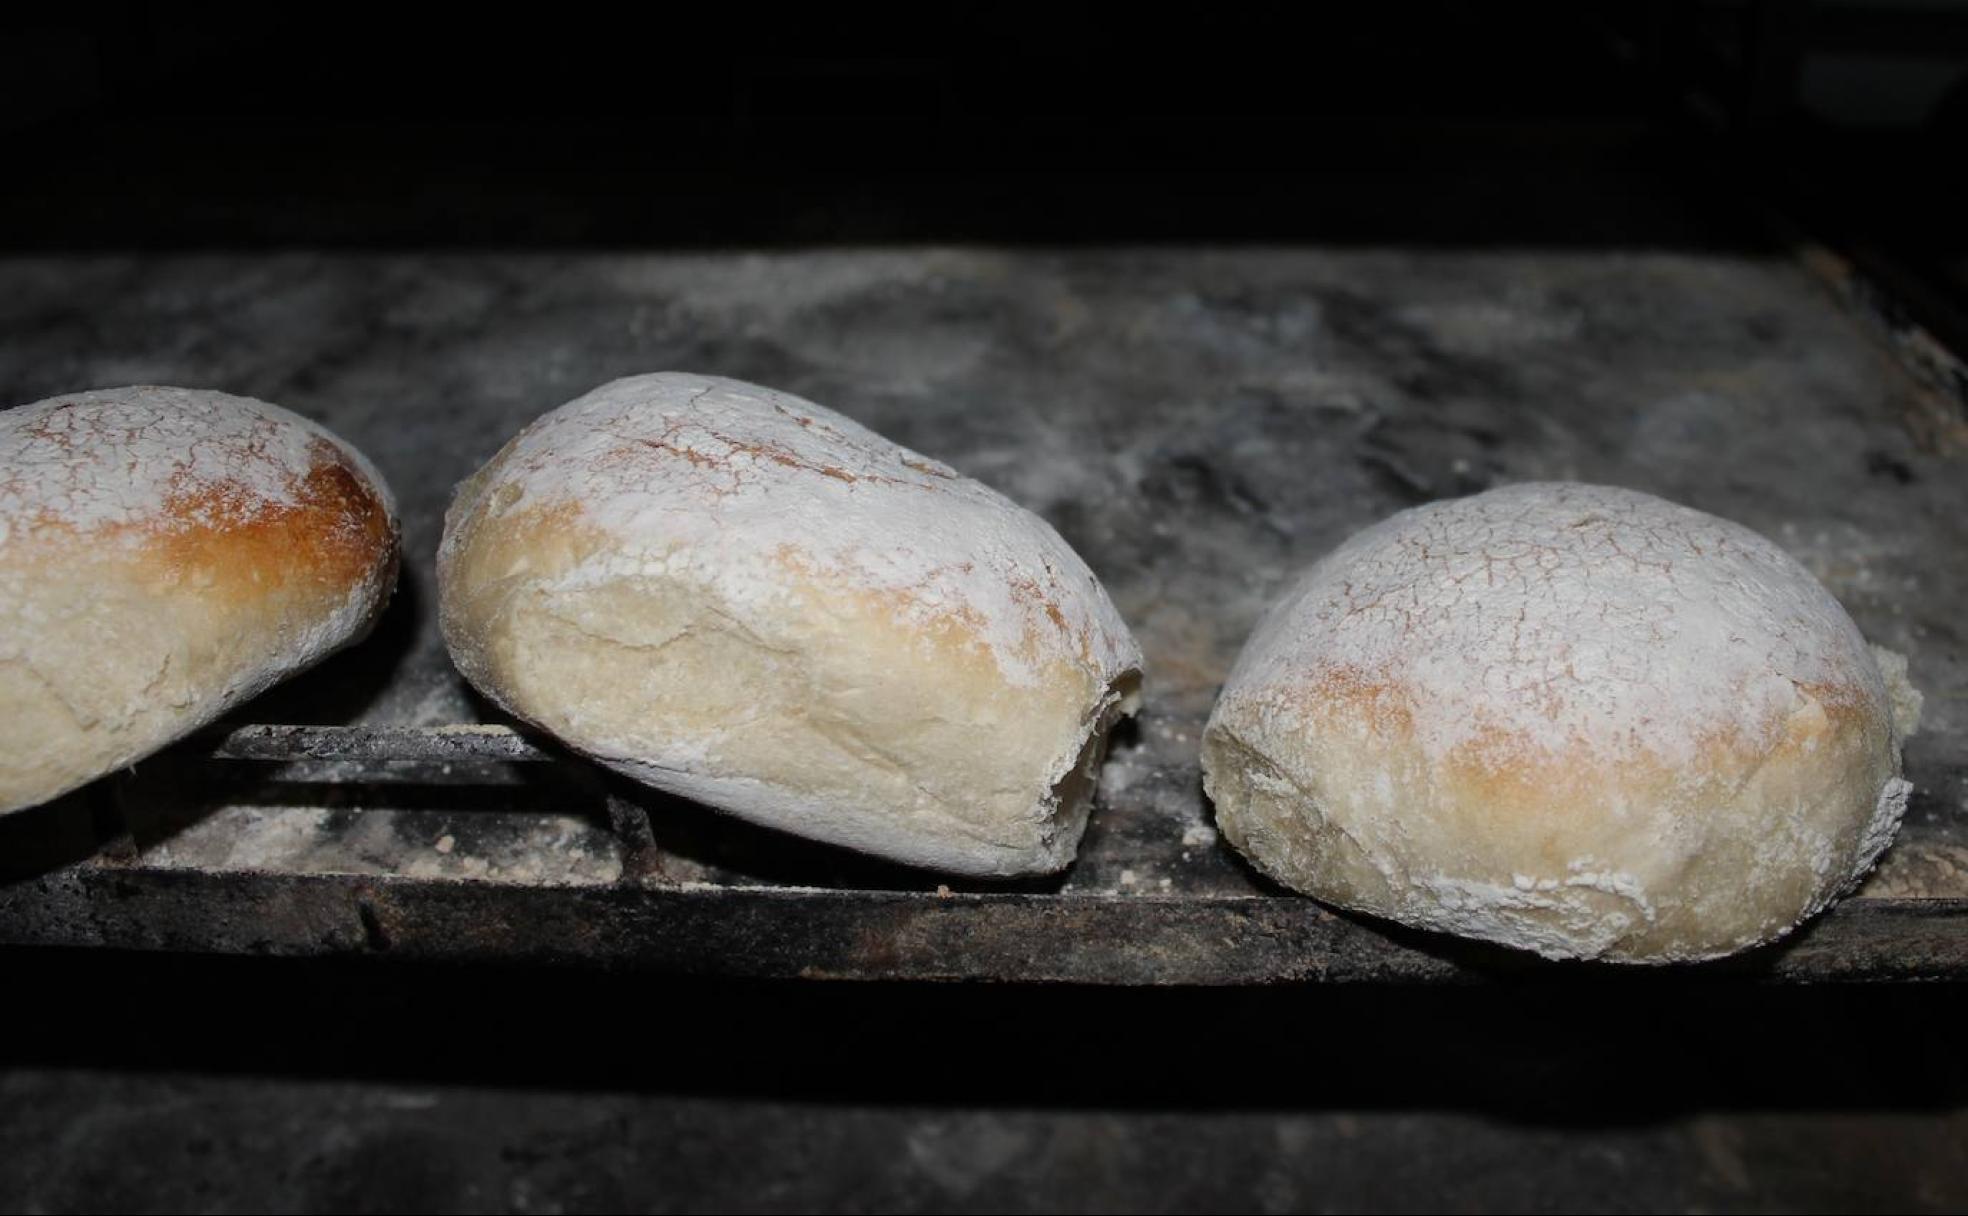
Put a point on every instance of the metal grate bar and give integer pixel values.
(466, 741)
(772, 933)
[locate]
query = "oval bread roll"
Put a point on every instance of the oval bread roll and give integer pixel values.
(1577, 720)
(164, 555)
(737, 596)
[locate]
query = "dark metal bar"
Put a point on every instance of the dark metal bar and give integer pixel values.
(642, 860)
(466, 741)
(875, 935)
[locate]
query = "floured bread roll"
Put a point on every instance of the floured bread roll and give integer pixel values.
(1578, 720)
(164, 555)
(735, 595)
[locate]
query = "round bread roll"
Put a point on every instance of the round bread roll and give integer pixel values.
(1577, 720)
(737, 596)
(164, 555)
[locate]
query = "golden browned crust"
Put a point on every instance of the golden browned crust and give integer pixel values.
(126, 628)
(333, 537)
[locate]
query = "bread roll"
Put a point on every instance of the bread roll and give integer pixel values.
(1573, 719)
(737, 596)
(164, 555)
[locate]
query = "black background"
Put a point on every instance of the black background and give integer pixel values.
(237, 126)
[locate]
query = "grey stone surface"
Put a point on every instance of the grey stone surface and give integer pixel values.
(229, 1144)
(168, 1083)
(1199, 424)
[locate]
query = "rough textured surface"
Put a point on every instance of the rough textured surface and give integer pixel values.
(1198, 425)
(1574, 719)
(741, 597)
(166, 554)
(372, 1086)
(246, 1144)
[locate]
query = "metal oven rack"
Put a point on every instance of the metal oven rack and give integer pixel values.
(647, 918)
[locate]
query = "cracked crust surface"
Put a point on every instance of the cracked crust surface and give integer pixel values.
(166, 554)
(743, 598)
(1574, 719)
